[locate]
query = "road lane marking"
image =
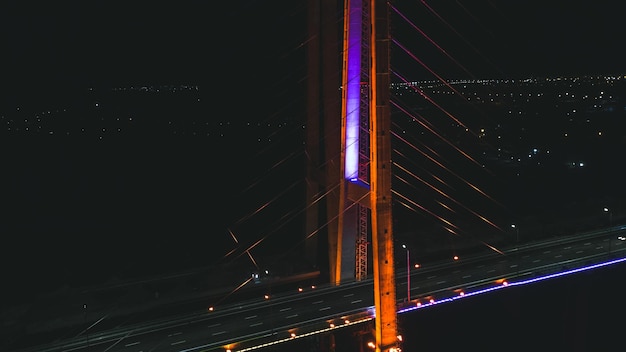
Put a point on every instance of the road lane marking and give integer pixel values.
(317, 302)
(285, 309)
(214, 325)
(250, 317)
(256, 324)
(218, 333)
(174, 334)
(131, 344)
(177, 342)
(349, 294)
(325, 308)
(357, 301)
(291, 316)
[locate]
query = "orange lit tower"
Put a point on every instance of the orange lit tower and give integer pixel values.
(380, 180)
(358, 183)
(366, 155)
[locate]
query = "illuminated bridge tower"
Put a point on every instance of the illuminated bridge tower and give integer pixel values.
(354, 200)
(362, 173)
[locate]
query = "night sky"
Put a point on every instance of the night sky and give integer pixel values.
(78, 43)
(521, 38)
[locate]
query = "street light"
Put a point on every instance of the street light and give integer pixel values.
(408, 273)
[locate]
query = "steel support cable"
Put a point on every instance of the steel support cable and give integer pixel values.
(291, 215)
(427, 37)
(411, 205)
(460, 36)
(439, 191)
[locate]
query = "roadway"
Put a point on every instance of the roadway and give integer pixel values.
(247, 324)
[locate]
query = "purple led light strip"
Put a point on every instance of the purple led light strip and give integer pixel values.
(508, 284)
(353, 91)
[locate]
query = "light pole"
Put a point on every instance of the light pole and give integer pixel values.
(516, 232)
(513, 226)
(607, 210)
(408, 273)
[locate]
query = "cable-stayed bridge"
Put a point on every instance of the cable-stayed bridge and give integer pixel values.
(438, 176)
(310, 316)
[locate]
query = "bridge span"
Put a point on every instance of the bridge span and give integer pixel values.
(255, 324)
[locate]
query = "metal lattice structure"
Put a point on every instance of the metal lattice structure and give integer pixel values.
(362, 244)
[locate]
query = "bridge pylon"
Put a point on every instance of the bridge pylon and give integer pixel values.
(357, 180)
